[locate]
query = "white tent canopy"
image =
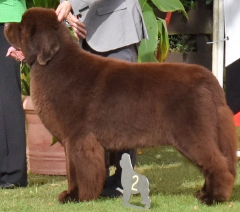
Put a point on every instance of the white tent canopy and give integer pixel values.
(232, 31)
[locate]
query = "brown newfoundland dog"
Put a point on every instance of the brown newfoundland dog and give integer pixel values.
(91, 103)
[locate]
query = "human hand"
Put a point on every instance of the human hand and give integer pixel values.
(16, 54)
(63, 10)
(77, 26)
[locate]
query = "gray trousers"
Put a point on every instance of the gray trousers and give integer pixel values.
(13, 168)
(127, 53)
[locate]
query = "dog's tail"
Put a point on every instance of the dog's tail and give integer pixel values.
(227, 137)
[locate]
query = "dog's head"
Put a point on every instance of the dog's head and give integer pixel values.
(36, 39)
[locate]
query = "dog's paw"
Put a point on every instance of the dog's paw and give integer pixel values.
(205, 199)
(64, 197)
(199, 193)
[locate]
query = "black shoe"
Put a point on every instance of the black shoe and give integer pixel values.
(111, 192)
(113, 181)
(6, 185)
(112, 188)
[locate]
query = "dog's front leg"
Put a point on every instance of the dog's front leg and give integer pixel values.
(72, 193)
(86, 170)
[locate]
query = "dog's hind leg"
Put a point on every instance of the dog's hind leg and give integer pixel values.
(208, 139)
(86, 170)
(221, 181)
(219, 184)
(218, 180)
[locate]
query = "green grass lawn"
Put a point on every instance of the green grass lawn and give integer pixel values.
(173, 182)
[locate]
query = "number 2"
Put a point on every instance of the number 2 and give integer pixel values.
(137, 178)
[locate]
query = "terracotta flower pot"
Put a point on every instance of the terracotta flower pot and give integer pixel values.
(42, 157)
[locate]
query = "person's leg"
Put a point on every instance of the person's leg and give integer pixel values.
(13, 167)
(113, 183)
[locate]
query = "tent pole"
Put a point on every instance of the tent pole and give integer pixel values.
(218, 40)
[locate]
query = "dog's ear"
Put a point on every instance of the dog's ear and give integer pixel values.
(48, 49)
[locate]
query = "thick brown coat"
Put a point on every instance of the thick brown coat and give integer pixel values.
(91, 103)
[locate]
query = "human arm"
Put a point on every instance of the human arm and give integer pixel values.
(63, 11)
(75, 6)
(77, 26)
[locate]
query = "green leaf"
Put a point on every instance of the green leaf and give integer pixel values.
(148, 47)
(54, 141)
(143, 3)
(164, 41)
(170, 6)
(25, 79)
(45, 3)
(25, 88)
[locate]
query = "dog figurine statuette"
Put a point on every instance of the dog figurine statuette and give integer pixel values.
(133, 183)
